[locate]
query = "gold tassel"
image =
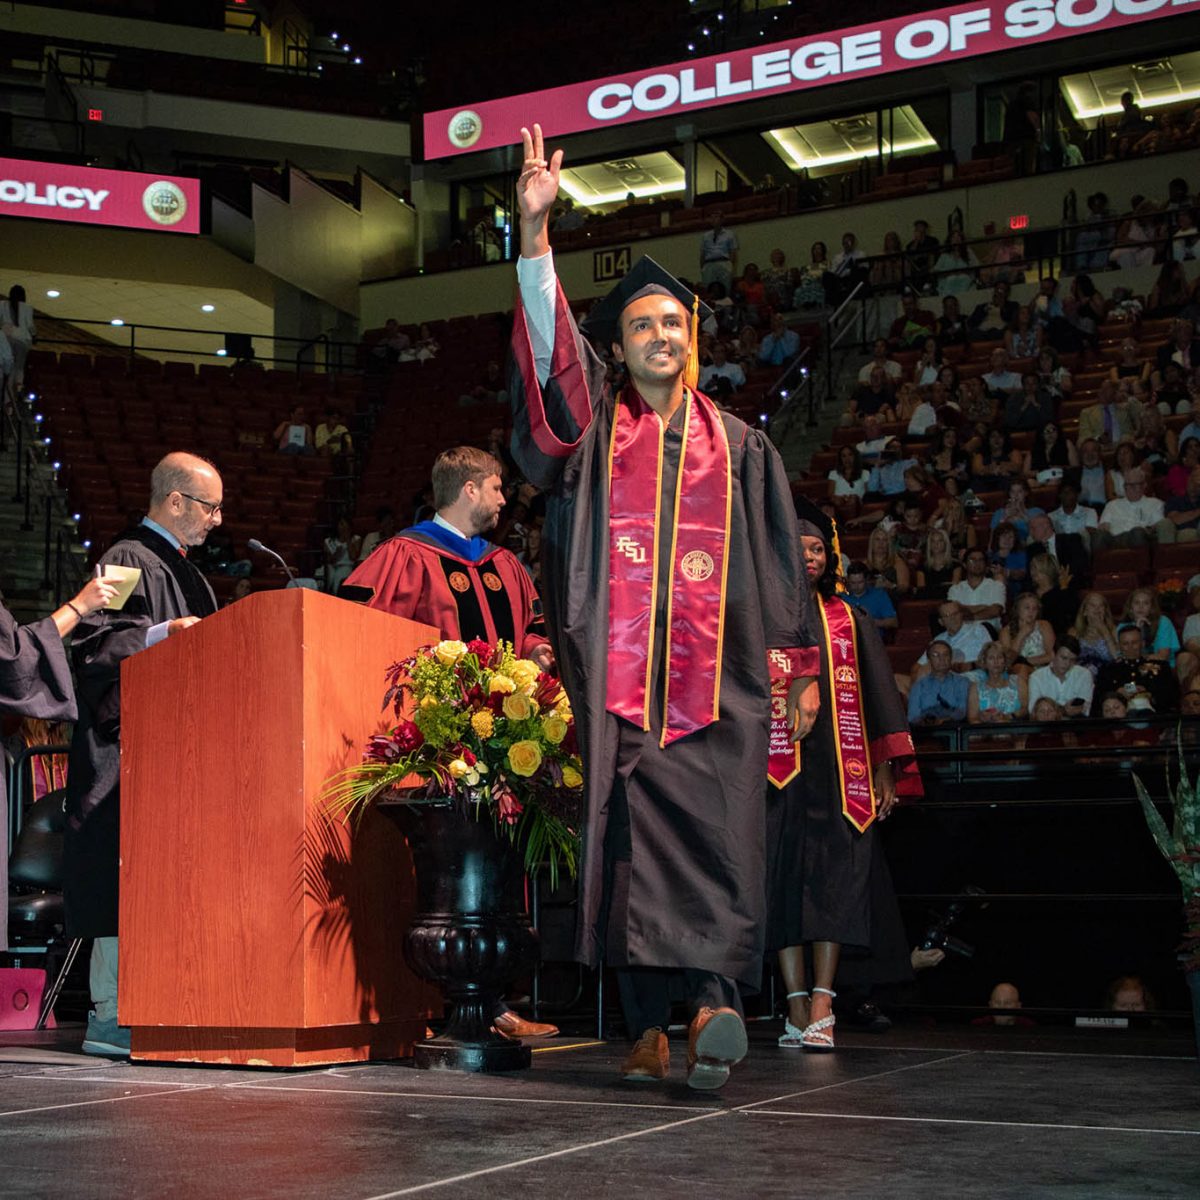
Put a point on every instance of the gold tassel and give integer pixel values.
(835, 548)
(691, 370)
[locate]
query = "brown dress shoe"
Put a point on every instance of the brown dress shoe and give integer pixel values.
(650, 1058)
(515, 1028)
(716, 1042)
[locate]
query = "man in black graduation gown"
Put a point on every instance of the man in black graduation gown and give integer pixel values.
(185, 504)
(670, 569)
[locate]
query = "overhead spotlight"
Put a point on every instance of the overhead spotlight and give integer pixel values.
(333, 36)
(706, 32)
(720, 16)
(762, 417)
(208, 308)
(77, 517)
(692, 46)
(804, 372)
(346, 48)
(222, 352)
(54, 293)
(116, 321)
(38, 418)
(357, 61)
(56, 465)
(46, 441)
(87, 544)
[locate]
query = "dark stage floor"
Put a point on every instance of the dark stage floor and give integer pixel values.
(959, 1112)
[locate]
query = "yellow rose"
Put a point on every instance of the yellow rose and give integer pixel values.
(458, 769)
(518, 707)
(525, 674)
(524, 758)
(501, 683)
(554, 727)
(429, 702)
(483, 723)
(563, 707)
(449, 652)
(572, 778)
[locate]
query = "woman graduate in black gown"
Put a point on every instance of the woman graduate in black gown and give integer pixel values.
(820, 823)
(35, 680)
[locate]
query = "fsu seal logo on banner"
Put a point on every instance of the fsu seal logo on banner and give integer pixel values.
(465, 128)
(696, 565)
(492, 582)
(459, 582)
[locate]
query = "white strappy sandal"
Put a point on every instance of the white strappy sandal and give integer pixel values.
(818, 1037)
(792, 1038)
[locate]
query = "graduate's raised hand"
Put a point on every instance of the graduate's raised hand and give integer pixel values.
(803, 707)
(537, 189)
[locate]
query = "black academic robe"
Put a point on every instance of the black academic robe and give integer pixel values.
(821, 866)
(694, 893)
(170, 587)
(35, 681)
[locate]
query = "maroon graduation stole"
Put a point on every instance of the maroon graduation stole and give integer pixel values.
(855, 775)
(696, 535)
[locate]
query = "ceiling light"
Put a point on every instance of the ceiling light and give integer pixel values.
(208, 308)
(222, 352)
(54, 293)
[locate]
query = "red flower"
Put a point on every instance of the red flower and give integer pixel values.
(408, 737)
(507, 804)
(481, 650)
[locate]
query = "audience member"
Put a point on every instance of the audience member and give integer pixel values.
(874, 442)
(982, 597)
(492, 387)
(294, 435)
(920, 254)
(938, 569)
(1005, 996)
(1023, 338)
(1144, 683)
(996, 463)
(1030, 408)
(1068, 549)
(1169, 293)
(1093, 478)
(1159, 639)
(947, 459)
(849, 266)
(881, 358)
(1182, 347)
(887, 570)
(953, 520)
(1136, 237)
(1056, 591)
(966, 639)
(385, 527)
(874, 601)
(1071, 517)
(1053, 377)
(1027, 639)
(569, 217)
(343, 549)
(999, 696)
(19, 331)
(775, 280)
(1007, 560)
(780, 346)
(910, 329)
(1128, 993)
(1051, 456)
(751, 295)
(956, 269)
(721, 377)
(1094, 242)
(1125, 459)
(718, 254)
(1015, 510)
(1175, 483)
(1063, 681)
(872, 399)
(1129, 520)
(887, 270)
(393, 343)
(848, 483)
(332, 436)
(1096, 633)
(426, 346)
(887, 477)
(812, 279)
(1156, 445)
(940, 696)
(1185, 241)
(1181, 514)
(1000, 381)
(991, 320)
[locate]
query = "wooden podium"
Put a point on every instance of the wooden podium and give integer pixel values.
(254, 929)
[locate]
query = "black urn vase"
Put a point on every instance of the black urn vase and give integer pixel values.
(471, 934)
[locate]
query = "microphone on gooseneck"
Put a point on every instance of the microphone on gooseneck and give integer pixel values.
(257, 546)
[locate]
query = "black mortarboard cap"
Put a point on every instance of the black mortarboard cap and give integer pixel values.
(646, 278)
(812, 521)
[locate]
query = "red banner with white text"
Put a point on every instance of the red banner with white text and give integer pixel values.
(945, 35)
(92, 196)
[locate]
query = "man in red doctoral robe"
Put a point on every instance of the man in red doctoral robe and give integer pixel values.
(673, 589)
(445, 573)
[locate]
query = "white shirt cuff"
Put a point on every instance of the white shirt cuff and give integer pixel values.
(538, 285)
(156, 633)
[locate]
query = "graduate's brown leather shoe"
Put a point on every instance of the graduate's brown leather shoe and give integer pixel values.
(716, 1042)
(515, 1027)
(650, 1058)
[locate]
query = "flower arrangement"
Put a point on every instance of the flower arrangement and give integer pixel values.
(1171, 594)
(489, 730)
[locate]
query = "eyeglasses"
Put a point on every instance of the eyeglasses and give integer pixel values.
(210, 509)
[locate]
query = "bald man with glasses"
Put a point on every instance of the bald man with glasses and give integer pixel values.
(186, 500)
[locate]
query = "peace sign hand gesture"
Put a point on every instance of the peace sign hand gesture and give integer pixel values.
(537, 189)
